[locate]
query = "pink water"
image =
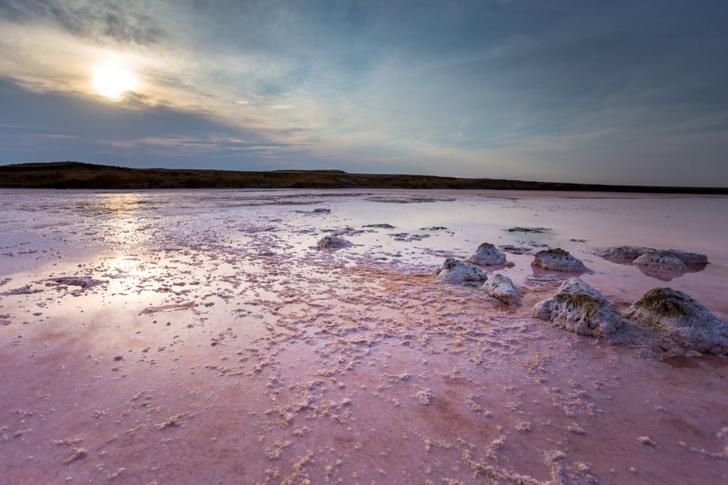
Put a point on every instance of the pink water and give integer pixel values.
(223, 348)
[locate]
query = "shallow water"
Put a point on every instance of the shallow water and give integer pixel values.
(220, 347)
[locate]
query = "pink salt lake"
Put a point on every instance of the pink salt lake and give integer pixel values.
(216, 345)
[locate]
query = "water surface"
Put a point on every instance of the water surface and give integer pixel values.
(220, 346)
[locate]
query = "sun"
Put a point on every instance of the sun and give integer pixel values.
(112, 80)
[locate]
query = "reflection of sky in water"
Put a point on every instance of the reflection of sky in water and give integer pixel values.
(126, 222)
(213, 307)
(121, 214)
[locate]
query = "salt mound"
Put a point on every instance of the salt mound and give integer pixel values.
(677, 316)
(558, 260)
(691, 260)
(660, 261)
(581, 309)
(488, 255)
(628, 254)
(332, 242)
(455, 271)
(502, 288)
(663, 264)
(621, 254)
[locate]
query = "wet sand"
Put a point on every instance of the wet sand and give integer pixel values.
(215, 344)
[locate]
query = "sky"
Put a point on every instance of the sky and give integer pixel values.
(619, 91)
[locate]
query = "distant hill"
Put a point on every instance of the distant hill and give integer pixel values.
(77, 175)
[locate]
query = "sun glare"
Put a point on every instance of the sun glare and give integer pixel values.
(112, 81)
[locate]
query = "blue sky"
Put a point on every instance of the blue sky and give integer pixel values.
(564, 90)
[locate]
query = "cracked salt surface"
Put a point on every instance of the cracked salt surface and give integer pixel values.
(199, 337)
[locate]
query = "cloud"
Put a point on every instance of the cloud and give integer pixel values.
(103, 20)
(39, 126)
(480, 88)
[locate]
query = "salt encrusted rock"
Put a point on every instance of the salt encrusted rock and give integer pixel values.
(488, 255)
(502, 288)
(332, 242)
(621, 254)
(677, 316)
(581, 309)
(659, 263)
(455, 271)
(671, 260)
(691, 260)
(558, 260)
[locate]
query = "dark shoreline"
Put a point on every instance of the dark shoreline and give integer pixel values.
(77, 175)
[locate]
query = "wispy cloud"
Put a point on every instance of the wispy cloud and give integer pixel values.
(487, 88)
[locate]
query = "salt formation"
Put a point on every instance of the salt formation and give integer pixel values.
(83, 282)
(621, 254)
(455, 271)
(629, 254)
(579, 308)
(488, 255)
(558, 260)
(61, 282)
(516, 249)
(676, 315)
(425, 397)
(23, 290)
(379, 226)
(534, 230)
(319, 210)
(407, 237)
(691, 260)
(659, 263)
(332, 242)
(501, 288)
